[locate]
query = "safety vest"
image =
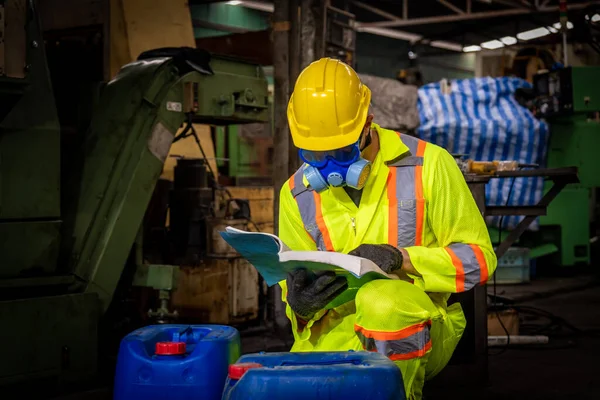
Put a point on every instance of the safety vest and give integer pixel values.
(405, 181)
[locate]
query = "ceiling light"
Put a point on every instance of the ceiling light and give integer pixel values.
(234, 2)
(508, 40)
(595, 18)
(569, 24)
(552, 30)
(533, 34)
(468, 49)
(492, 44)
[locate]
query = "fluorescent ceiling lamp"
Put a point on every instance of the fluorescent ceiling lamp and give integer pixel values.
(234, 2)
(468, 49)
(508, 40)
(569, 25)
(492, 44)
(440, 44)
(533, 34)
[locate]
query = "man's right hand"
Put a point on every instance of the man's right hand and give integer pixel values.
(310, 292)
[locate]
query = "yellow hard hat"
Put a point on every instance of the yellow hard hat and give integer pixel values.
(329, 106)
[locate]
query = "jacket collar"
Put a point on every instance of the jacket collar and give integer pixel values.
(390, 144)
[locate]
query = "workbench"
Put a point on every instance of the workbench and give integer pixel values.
(469, 364)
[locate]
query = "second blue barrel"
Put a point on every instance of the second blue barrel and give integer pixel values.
(179, 362)
(315, 376)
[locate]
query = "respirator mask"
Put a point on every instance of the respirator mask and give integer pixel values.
(339, 167)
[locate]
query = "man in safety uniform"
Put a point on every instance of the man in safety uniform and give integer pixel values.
(396, 200)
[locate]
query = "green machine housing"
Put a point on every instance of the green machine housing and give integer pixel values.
(569, 99)
(64, 244)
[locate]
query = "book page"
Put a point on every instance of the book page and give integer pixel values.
(274, 260)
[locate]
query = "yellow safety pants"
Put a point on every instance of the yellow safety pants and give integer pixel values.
(393, 317)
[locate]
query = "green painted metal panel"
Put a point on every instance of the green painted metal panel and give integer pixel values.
(227, 15)
(129, 138)
(124, 151)
(29, 139)
(28, 248)
(575, 141)
(51, 338)
(571, 211)
(586, 88)
(29, 165)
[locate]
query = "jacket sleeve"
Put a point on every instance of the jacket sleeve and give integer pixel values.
(465, 256)
(293, 234)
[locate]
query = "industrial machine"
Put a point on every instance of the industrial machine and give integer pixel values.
(65, 242)
(569, 99)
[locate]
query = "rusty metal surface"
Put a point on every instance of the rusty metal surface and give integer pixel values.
(202, 293)
(217, 247)
(15, 39)
(222, 291)
(244, 291)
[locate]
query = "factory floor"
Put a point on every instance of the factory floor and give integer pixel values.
(567, 368)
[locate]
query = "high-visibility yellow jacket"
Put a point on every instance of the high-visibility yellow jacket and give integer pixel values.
(416, 198)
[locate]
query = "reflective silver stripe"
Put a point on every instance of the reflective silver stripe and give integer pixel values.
(471, 267)
(413, 343)
(407, 206)
(308, 209)
(411, 142)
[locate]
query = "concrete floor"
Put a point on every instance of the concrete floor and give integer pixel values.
(567, 368)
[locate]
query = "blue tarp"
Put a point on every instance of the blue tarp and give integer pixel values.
(481, 119)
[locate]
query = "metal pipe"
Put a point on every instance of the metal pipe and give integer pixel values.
(281, 70)
(565, 59)
(376, 10)
(500, 341)
(294, 71)
(465, 17)
(451, 6)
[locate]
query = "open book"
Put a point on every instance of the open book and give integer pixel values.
(273, 260)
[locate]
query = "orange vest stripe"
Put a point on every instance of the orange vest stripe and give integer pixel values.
(419, 195)
(483, 268)
(460, 272)
(396, 335)
(321, 223)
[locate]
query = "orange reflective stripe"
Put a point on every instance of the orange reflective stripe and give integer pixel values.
(321, 223)
(460, 272)
(411, 355)
(419, 195)
(483, 269)
(393, 208)
(401, 334)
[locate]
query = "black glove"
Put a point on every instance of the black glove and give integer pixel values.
(386, 256)
(309, 292)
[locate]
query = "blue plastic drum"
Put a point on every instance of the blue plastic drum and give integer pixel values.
(180, 362)
(314, 376)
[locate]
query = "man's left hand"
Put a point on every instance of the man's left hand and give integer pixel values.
(386, 256)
